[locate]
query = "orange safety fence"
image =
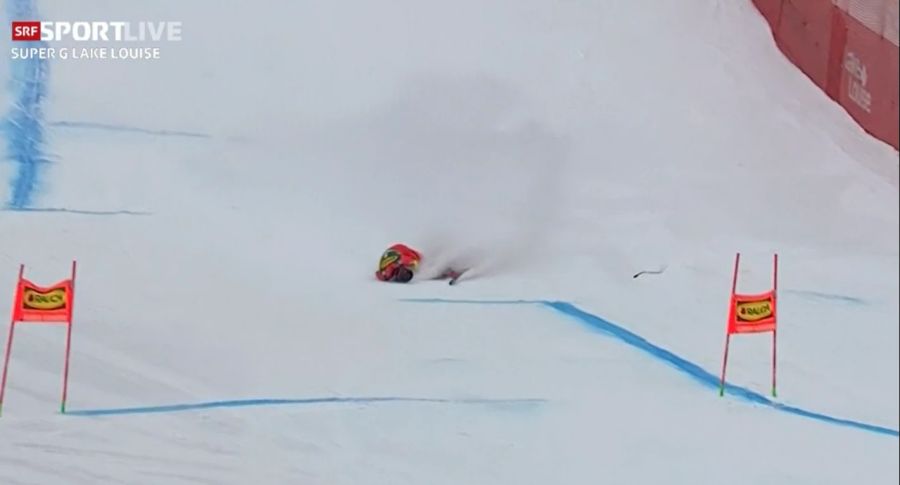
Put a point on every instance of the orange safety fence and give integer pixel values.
(849, 48)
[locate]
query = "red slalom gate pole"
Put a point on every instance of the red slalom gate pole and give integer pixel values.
(775, 272)
(9, 339)
(774, 346)
(737, 261)
(724, 365)
(12, 326)
(62, 406)
(774, 332)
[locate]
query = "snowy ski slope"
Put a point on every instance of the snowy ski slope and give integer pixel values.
(227, 205)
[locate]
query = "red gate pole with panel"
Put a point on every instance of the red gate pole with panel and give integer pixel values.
(752, 313)
(35, 304)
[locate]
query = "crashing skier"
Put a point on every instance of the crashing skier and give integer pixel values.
(400, 262)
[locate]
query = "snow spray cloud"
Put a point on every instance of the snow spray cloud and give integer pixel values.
(461, 171)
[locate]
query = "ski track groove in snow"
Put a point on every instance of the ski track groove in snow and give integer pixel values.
(90, 125)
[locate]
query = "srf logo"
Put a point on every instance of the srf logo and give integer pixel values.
(26, 31)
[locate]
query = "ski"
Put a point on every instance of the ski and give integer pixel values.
(454, 276)
(651, 271)
(450, 274)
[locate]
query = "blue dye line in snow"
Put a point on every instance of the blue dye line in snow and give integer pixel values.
(23, 126)
(125, 129)
(173, 408)
(693, 370)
